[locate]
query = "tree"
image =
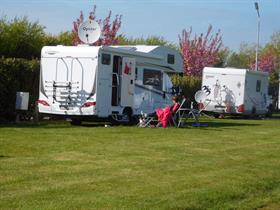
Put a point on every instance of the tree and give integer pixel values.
(200, 51)
(64, 38)
(243, 58)
(223, 55)
(267, 60)
(151, 40)
(21, 38)
(275, 42)
(109, 29)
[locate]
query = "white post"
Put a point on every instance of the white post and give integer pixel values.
(258, 37)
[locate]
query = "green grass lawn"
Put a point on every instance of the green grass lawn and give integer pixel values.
(231, 164)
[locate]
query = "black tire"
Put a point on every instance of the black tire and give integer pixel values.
(134, 120)
(76, 122)
(128, 113)
(269, 111)
(216, 115)
(114, 122)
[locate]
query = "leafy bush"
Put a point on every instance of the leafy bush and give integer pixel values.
(151, 40)
(17, 75)
(188, 84)
(20, 38)
(64, 38)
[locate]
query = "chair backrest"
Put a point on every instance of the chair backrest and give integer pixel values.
(181, 105)
(201, 99)
(174, 116)
(175, 107)
(176, 113)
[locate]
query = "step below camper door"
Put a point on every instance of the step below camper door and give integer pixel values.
(127, 82)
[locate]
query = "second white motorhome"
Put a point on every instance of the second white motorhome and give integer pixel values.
(118, 82)
(235, 91)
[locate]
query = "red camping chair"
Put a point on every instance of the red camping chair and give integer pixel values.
(165, 116)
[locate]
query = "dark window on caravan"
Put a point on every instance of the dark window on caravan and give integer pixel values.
(117, 64)
(106, 59)
(170, 59)
(258, 86)
(153, 78)
(136, 73)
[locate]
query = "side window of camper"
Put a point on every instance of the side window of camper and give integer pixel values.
(136, 73)
(170, 59)
(153, 78)
(258, 86)
(106, 59)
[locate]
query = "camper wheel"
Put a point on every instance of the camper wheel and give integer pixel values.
(216, 115)
(127, 112)
(253, 113)
(76, 122)
(269, 111)
(254, 110)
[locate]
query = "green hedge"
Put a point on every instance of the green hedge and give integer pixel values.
(188, 84)
(17, 75)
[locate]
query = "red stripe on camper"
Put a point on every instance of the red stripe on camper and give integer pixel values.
(88, 104)
(43, 102)
(241, 108)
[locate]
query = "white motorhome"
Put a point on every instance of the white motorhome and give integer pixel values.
(91, 82)
(235, 91)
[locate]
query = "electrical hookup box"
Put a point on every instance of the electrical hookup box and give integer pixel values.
(22, 100)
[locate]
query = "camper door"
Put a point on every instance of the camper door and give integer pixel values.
(127, 82)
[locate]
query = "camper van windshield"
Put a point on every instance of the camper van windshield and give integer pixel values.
(153, 78)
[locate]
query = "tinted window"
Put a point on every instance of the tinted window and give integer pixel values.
(106, 59)
(170, 59)
(136, 73)
(258, 86)
(153, 78)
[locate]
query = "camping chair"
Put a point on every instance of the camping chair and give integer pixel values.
(150, 122)
(202, 101)
(146, 121)
(165, 118)
(175, 118)
(183, 114)
(186, 113)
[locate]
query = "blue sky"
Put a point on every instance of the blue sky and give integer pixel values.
(237, 19)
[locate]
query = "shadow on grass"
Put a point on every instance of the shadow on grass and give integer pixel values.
(218, 124)
(275, 116)
(5, 156)
(52, 125)
(66, 125)
(229, 124)
(47, 125)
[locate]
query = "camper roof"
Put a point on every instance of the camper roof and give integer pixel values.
(168, 58)
(138, 48)
(232, 71)
(161, 53)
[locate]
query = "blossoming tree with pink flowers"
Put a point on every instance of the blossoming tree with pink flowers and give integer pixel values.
(109, 29)
(267, 61)
(199, 51)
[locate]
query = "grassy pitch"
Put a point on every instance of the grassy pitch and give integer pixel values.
(231, 164)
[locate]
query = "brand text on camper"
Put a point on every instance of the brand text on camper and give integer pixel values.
(89, 29)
